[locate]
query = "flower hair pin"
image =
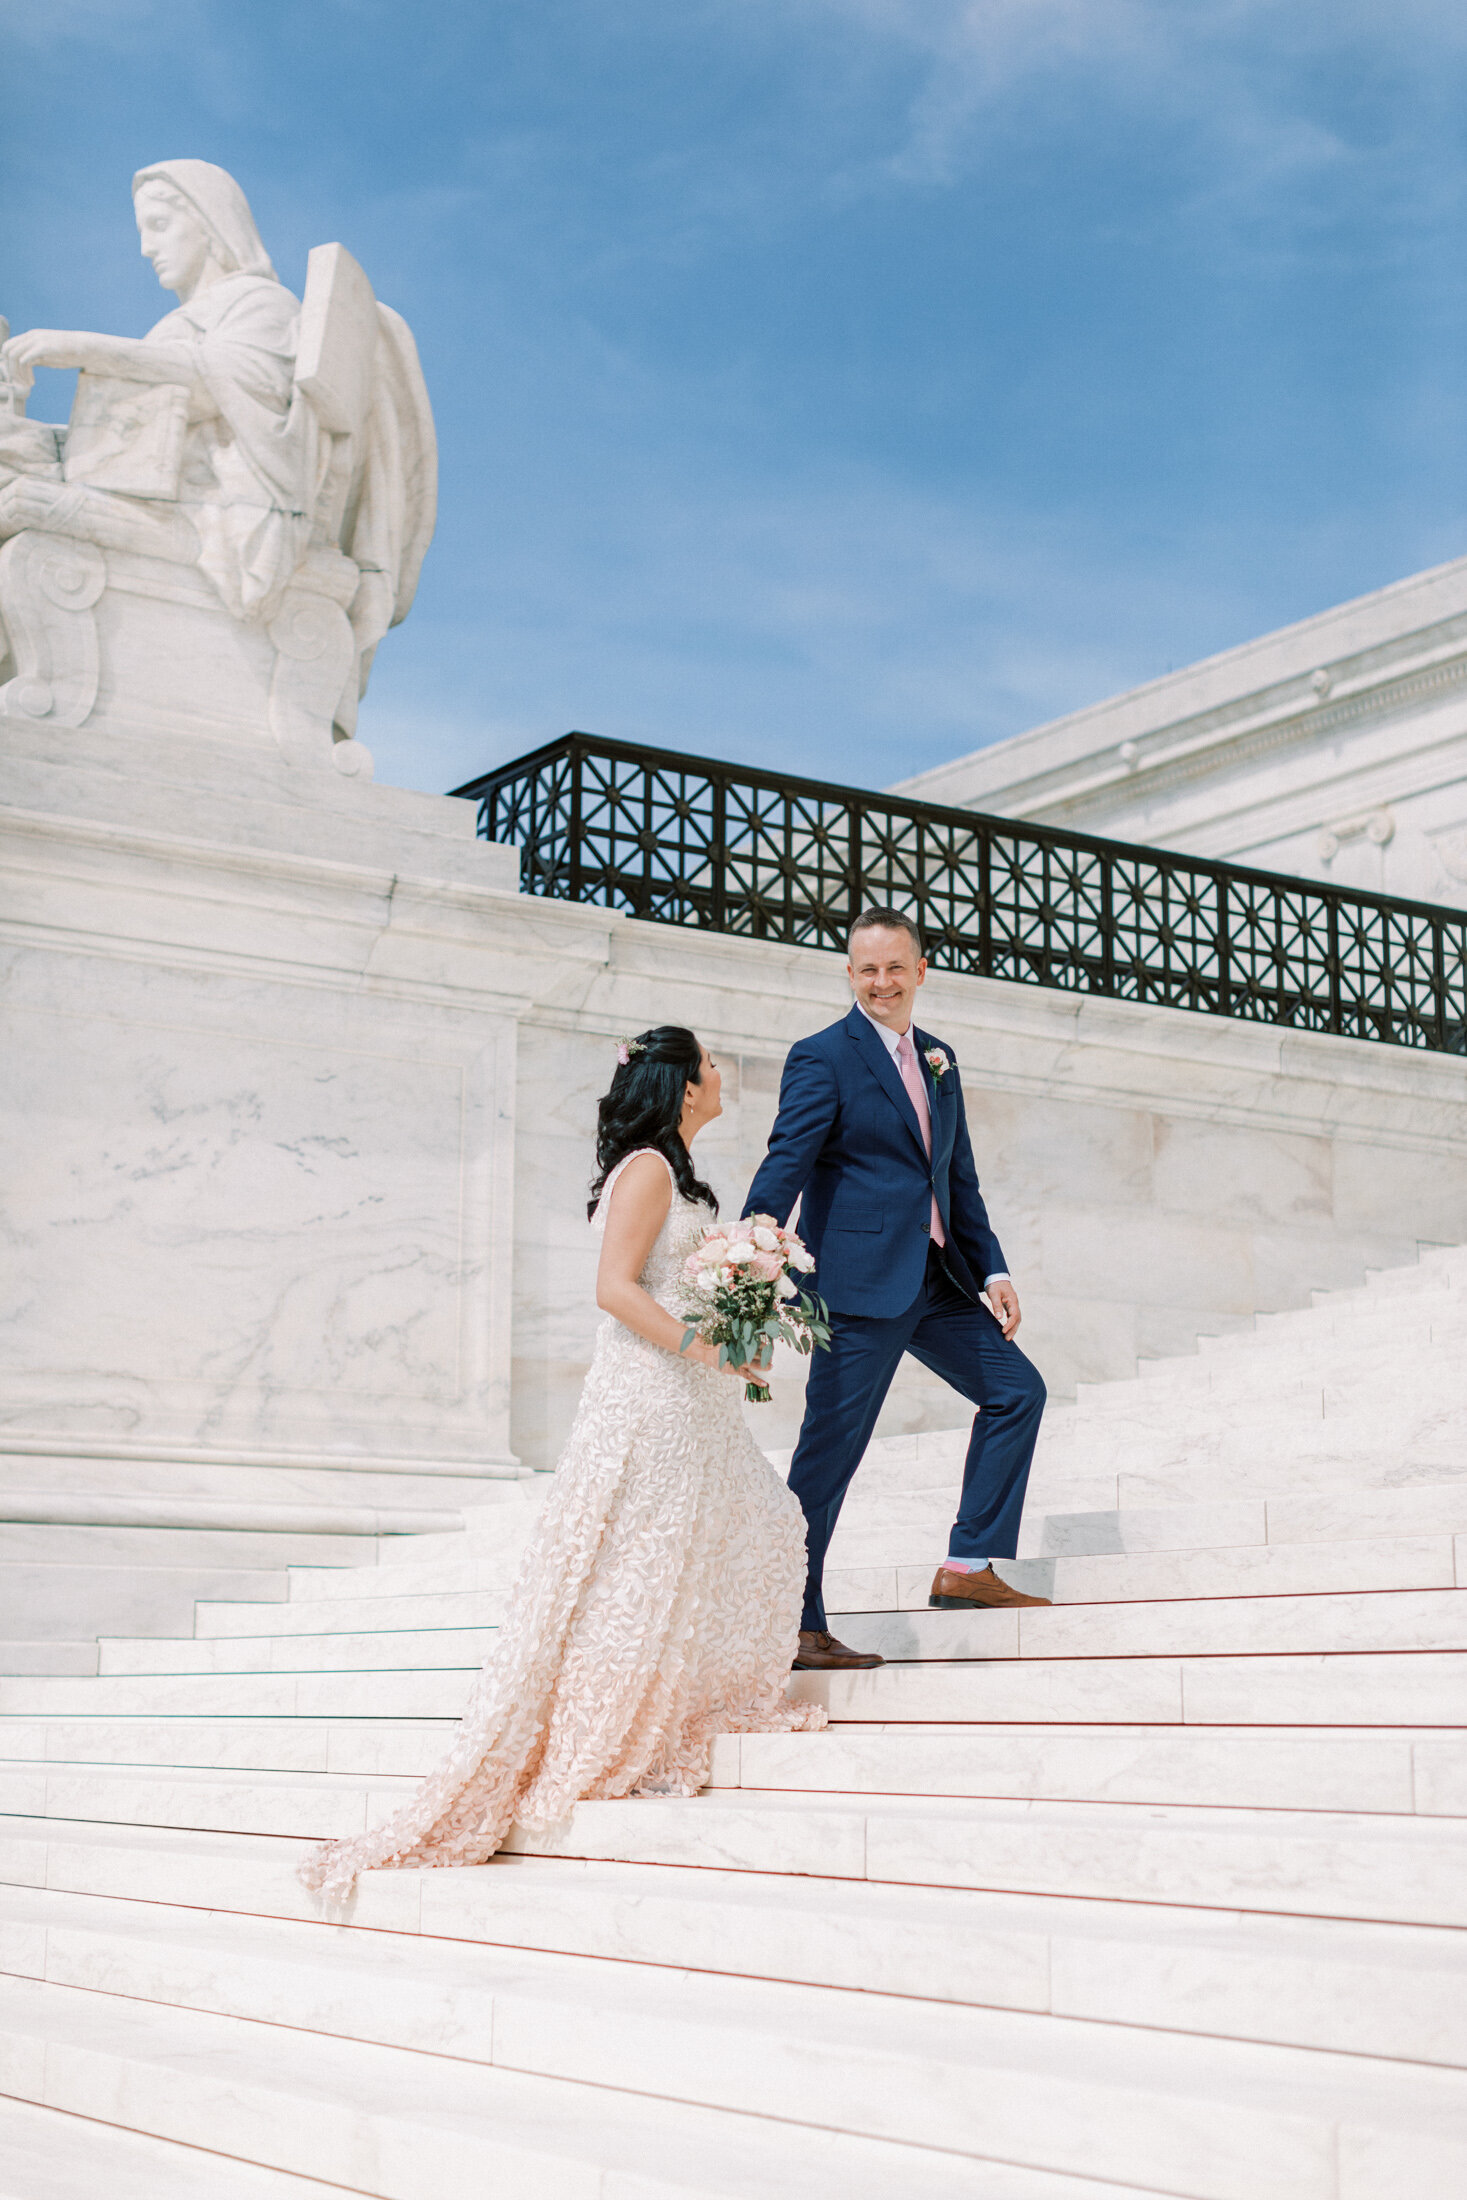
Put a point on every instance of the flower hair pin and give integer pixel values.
(937, 1061)
(628, 1049)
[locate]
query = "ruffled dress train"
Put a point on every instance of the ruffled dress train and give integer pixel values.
(656, 1606)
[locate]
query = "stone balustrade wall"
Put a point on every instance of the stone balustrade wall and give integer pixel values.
(300, 1095)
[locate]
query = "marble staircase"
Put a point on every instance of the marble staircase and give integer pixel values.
(100, 1543)
(1162, 1890)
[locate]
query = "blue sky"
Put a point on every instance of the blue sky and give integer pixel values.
(835, 384)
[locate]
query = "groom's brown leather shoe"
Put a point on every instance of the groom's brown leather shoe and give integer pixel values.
(819, 1652)
(960, 1592)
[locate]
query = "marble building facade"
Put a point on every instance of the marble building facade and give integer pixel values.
(1335, 749)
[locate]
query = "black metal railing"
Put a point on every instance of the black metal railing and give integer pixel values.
(681, 840)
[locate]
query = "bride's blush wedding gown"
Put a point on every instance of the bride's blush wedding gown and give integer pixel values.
(657, 1605)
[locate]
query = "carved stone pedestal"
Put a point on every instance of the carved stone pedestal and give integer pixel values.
(145, 644)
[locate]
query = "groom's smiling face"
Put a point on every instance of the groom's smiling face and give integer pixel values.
(885, 971)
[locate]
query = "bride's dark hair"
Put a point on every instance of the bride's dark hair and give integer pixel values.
(644, 1105)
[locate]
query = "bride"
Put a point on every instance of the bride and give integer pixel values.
(658, 1602)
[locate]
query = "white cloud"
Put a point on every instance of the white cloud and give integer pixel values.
(1245, 78)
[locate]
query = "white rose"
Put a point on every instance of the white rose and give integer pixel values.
(784, 1289)
(799, 1258)
(708, 1282)
(766, 1240)
(740, 1252)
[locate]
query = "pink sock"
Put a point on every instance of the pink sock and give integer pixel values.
(966, 1565)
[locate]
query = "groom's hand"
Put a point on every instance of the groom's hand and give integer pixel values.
(1004, 1300)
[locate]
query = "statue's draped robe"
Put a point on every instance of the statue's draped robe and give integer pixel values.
(249, 467)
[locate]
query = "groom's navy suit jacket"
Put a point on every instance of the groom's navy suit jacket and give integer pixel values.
(847, 1136)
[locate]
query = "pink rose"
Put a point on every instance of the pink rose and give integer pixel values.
(767, 1266)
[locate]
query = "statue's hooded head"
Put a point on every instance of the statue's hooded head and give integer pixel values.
(216, 201)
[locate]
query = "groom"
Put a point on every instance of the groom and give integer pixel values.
(871, 1129)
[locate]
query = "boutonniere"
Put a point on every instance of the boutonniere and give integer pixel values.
(937, 1062)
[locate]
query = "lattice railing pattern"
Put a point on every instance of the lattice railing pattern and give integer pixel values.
(681, 840)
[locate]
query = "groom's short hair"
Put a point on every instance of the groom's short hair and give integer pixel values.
(888, 920)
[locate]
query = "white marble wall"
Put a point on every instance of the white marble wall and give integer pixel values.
(299, 1095)
(1153, 1175)
(259, 1181)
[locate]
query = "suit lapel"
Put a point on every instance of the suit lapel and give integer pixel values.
(873, 1053)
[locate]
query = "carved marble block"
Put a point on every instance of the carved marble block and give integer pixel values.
(239, 507)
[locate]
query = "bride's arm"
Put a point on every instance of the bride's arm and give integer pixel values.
(638, 1209)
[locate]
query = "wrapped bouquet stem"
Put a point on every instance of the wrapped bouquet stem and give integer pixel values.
(741, 1295)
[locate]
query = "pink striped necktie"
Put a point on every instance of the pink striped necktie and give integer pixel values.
(915, 1083)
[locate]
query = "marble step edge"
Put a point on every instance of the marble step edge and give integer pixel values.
(1126, 1485)
(909, 1554)
(1238, 1570)
(1349, 1622)
(1125, 1488)
(1382, 1514)
(37, 1444)
(1418, 1773)
(1287, 1566)
(481, 2004)
(1435, 1322)
(1368, 1690)
(980, 1665)
(87, 1509)
(1195, 1474)
(1416, 1776)
(870, 1507)
(1310, 1863)
(1255, 1418)
(975, 1672)
(1297, 1688)
(1344, 1375)
(1285, 1864)
(1421, 1315)
(47, 2152)
(896, 1586)
(408, 1745)
(1385, 1990)
(1135, 1486)
(1426, 1344)
(1296, 1380)
(424, 2127)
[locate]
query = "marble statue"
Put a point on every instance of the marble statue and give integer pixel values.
(239, 506)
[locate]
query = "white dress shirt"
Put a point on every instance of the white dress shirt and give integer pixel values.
(891, 1040)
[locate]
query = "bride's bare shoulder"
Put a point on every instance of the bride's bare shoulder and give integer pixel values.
(648, 1169)
(639, 1187)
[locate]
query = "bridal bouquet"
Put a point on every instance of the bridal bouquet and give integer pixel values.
(742, 1296)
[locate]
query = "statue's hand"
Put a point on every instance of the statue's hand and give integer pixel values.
(40, 347)
(68, 347)
(17, 371)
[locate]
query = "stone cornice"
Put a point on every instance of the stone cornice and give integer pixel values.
(1232, 827)
(1191, 761)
